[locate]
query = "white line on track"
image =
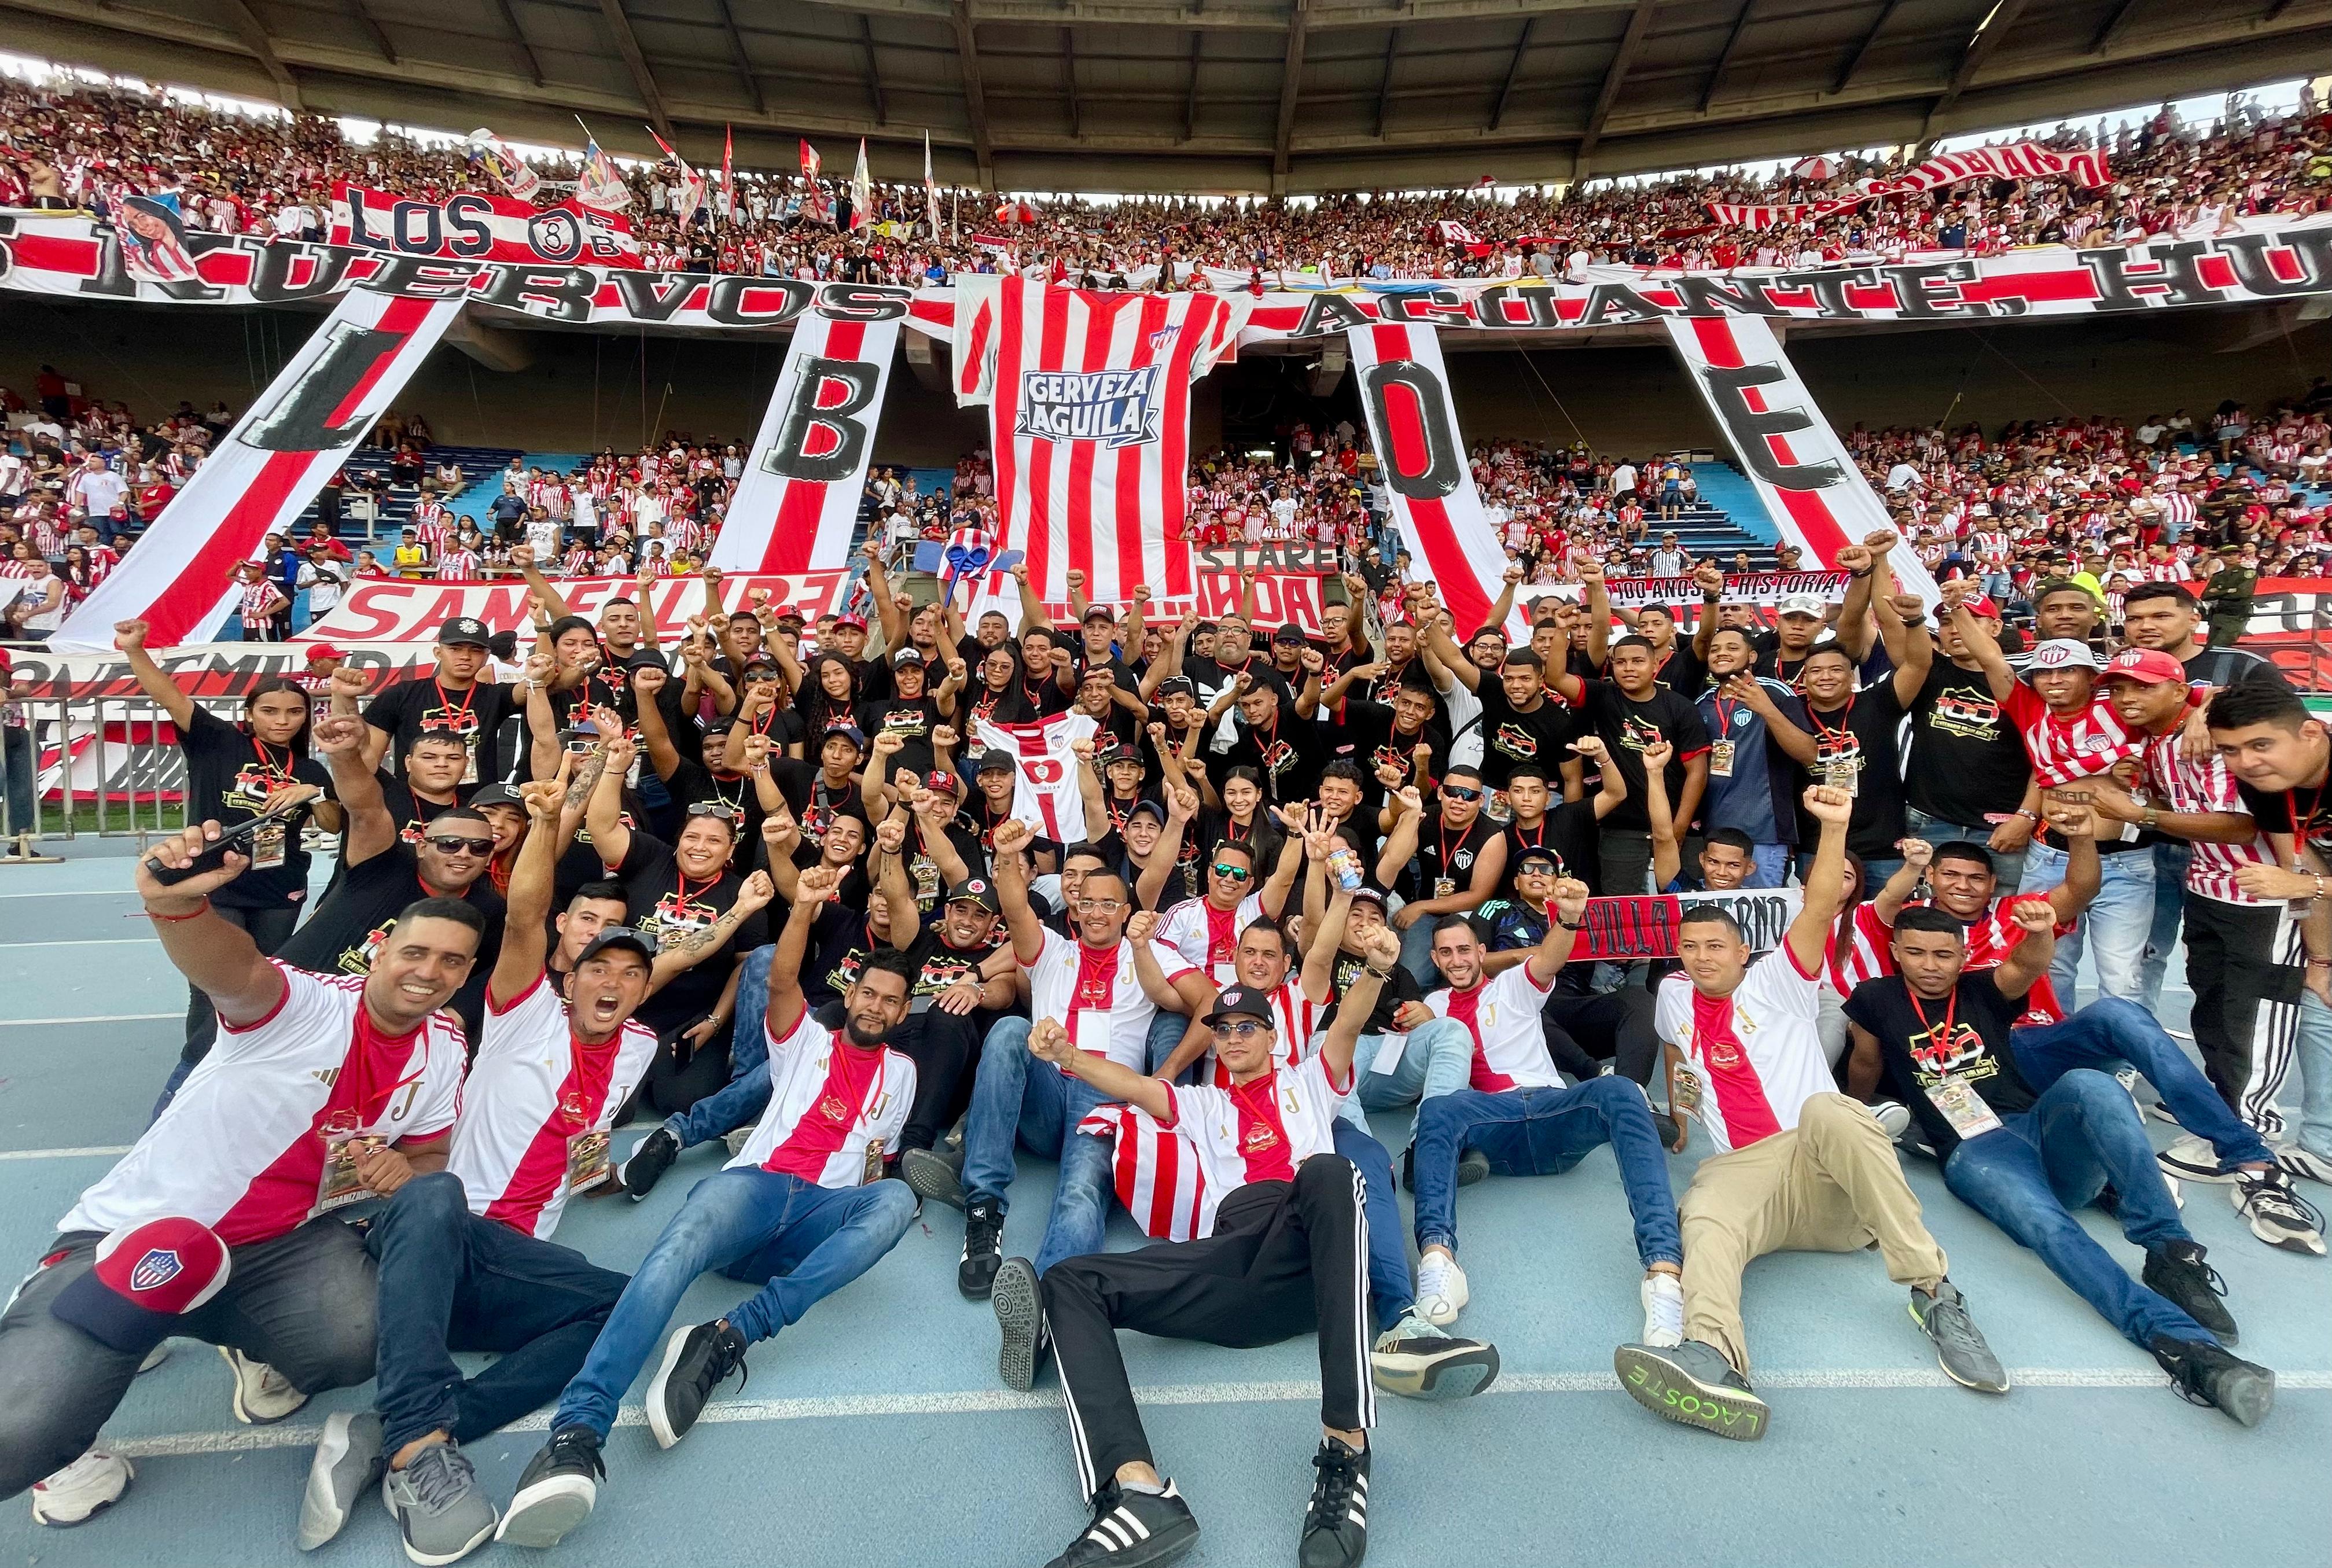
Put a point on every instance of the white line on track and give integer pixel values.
(91, 941)
(75, 893)
(93, 1018)
(981, 1401)
(88, 1151)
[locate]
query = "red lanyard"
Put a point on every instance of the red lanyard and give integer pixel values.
(686, 897)
(2302, 825)
(1724, 716)
(1826, 731)
(267, 758)
(445, 704)
(1951, 1013)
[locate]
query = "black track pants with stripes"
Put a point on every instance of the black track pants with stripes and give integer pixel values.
(1285, 1258)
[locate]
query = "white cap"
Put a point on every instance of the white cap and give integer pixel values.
(1804, 605)
(2061, 653)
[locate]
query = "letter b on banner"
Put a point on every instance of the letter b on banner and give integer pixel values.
(829, 397)
(1409, 404)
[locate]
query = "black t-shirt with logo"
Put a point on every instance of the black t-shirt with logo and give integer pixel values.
(1967, 759)
(1511, 737)
(354, 918)
(1915, 1054)
(924, 873)
(1627, 726)
(1401, 988)
(839, 943)
(1865, 732)
(1443, 852)
(409, 812)
(1288, 754)
(668, 905)
(1365, 735)
(1569, 832)
(229, 776)
(412, 709)
(913, 720)
(940, 964)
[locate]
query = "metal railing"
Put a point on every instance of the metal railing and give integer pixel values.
(79, 768)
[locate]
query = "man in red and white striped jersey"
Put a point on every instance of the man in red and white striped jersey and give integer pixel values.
(323, 1091)
(2073, 734)
(801, 1212)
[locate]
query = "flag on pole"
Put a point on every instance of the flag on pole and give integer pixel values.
(862, 191)
(729, 170)
(931, 189)
(600, 186)
(808, 159)
(501, 161)
(692, 184)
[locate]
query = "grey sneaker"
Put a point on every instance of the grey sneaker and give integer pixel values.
(347, 1461)
(1692, 1384)
(1020, 1322)
(1418, 1361)
(932, 1176)
(1960, 1349)
(439, 1507)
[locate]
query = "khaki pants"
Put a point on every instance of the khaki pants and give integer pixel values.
(1832, 1185)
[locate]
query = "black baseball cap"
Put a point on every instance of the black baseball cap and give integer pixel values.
(907, 656)
(463, 631)
(623, 936)
(975, 890)
(498, 795)
(1290, 632)
(1174, 684)
(995, 760)
(1541, 856)
(1239, 1002)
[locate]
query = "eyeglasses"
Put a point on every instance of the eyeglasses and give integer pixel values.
(1457, 794)
(1101, 905)
(449, 843)
(1239, 1031)
(1232, 873)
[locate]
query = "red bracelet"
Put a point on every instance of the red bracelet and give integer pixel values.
(190, 914)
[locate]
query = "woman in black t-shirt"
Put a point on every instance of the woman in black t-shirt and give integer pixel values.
(999, 691)
(828, 699)
(235, 772)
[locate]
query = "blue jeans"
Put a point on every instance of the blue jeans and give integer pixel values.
(2315, 1051)
(1166, 1032)
(17, 763)
(1017, 1098)
(1773, 865)
(2114, 927)
(1391, 1289)
(450, 1280)
(1545, 1132)
(2009, 868)
(1417, 951)
(1436, 1058)
(737, 1103)
(800, 1242)
(749, 1042)
(2171, 858)
(2108, 1032)
(2027, 1177)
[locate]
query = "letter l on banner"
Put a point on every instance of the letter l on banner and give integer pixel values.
(1405, 390)
(262, 475)
(1803, 473)
(798, 499)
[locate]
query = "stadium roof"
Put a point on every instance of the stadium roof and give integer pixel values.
(1205, 95)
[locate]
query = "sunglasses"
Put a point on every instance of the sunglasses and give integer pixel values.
(1459, 794)
(727, 813)
(1239, 1031)
(451, 843)
(1232, 873)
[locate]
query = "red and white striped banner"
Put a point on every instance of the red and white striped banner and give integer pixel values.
(1812, 489)
(476, 226)
(1405, 392)
(1155, 1171)
(798, 498)
(2024, 161)
(265, 472)
(1089, 400)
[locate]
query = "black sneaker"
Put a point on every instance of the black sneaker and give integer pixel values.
(1133, 1530)
(933, 1177)
(1473, 1166)
(1418, 1361)
(2278, 1214)
(2176, 1271)
(983, 1248)
(2205, 1375)
(1336, 1526)
(696, 1361)
(651, 1157)
(1959, 1347)
(1692, 1384)
(556, 1490)
(1020, 1323)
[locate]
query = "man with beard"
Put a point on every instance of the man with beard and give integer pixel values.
(801, 1212)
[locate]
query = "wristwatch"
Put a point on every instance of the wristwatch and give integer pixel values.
(1570, 925)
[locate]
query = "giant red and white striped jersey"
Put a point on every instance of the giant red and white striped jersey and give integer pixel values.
(2065, 748)
(1044, 792)
(533, 1090)
(828, 1103)
(241, 1147)
(1089, 413)
(2179, 785)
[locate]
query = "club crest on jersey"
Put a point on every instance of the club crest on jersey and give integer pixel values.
(1114, 407)
(156, 1269)
(833, 1109)
(1259, 1138)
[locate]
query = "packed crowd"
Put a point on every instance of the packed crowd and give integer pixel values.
(80, 146)
(880, 912)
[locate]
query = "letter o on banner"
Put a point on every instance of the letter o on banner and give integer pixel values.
(1409, 404)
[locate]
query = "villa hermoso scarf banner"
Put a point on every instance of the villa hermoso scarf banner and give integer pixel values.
(2262, 259)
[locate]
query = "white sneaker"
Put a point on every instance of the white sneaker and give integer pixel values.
(1893, 1115)
(89, 1485)
(262, 1396)
(1440, 1289)
(2192, 1159)
(1663, 1299)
